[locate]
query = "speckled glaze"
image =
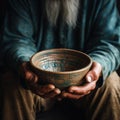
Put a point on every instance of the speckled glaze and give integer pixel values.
(61, 67)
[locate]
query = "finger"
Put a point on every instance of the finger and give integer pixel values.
(94, 73)
(27, 74)
(71, 96)
(31, 77)
(43, 89)
(82, 90)
(52, 94)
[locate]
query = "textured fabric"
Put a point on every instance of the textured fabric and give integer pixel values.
(17, 103)
(104, 104)
(27, 31)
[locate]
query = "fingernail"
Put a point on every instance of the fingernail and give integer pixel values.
(52, 86)
(89, 79)
(58, 91)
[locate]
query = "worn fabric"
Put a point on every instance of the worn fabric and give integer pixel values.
(27, 31)
(103, 103)
(17, 103)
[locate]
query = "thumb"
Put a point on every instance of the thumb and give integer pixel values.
(28, 74)
(94, 73)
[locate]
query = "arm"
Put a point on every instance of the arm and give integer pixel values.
(17, 41)
(18, 46)
(105, 38)
(105, 44)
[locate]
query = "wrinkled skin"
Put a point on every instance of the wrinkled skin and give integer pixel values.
(49, 91)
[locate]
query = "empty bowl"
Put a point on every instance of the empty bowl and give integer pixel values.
(61, 67)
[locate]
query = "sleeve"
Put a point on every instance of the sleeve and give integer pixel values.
(17, 44)
(105, 38)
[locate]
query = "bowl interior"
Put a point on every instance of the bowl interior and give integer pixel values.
(60, 60)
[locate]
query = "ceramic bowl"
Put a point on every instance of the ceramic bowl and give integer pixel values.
(61, 67)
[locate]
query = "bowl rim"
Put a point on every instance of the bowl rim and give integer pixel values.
(60, 72)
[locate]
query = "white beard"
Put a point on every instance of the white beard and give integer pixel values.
(66, 9)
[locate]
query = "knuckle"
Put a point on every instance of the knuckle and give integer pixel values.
(84, 92)
(93, 87)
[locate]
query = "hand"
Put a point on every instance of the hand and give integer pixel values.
(31, 79)
(91, 78)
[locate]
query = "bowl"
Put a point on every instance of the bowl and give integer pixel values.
(61, 67)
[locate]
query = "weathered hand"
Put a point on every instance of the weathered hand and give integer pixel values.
(76, 92)
(31, 79)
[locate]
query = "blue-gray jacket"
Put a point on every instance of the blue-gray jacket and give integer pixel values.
(97, 33)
